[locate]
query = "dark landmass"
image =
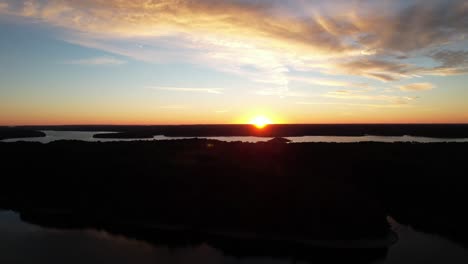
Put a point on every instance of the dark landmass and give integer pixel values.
(12, 132)
(199, 184)
(306, 191)
(422, 130)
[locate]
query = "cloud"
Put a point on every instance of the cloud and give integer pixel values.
(169, 17)
(451, 58)
(326, 82)
(417, 87)
(110, 61)
(360, 96)
(445, 71)
(385, 105)
(274, 92)
(190, 90)
(419, 25)
(378, 69)
(391, 70)
(264, 40)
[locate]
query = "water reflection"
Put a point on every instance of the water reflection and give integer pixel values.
(91, 246)
(418, 247)
(88, 136)
(26, 243)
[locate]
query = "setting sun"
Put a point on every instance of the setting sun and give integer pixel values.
(260, 121)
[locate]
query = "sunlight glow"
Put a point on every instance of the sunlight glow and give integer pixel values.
(260, 122)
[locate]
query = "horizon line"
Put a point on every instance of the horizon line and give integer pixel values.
(225, 124)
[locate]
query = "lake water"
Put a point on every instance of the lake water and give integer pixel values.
(88, 136)
(21, 242)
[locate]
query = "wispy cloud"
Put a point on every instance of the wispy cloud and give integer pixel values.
(264, 40)
(189, 90)
(417, 87)
(96, 61)
(358, 95)
(327, 82)
(385, 105)
(275, 92)
(379, 69)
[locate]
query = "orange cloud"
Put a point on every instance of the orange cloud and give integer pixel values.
(417, 87)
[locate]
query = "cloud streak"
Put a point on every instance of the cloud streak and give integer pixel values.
(106, 61)
(387, 105)
(327, 82)
(189, 90)
(417, 87)
(359, 96)
(379, 69)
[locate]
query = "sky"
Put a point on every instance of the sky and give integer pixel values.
(223, 62)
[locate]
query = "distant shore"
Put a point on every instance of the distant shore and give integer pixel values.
(286, 130)
(10, 133)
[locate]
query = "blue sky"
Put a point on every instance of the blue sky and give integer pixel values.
(186, 62)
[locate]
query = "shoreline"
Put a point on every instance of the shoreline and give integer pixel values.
(274, 130)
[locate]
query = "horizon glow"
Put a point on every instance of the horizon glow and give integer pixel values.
(228, 62)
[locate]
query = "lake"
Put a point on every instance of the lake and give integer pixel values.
(22, 242)
(88, 136)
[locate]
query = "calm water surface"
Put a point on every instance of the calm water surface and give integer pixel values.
(21, 242)
(88, 136)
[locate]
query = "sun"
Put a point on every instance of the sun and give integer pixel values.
(260, 122)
